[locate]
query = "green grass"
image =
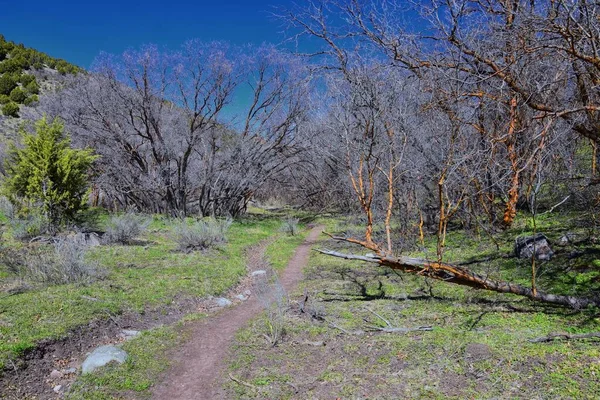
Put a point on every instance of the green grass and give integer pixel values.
(443, 363)
(147, 358)
(140, 277)
(283, 248)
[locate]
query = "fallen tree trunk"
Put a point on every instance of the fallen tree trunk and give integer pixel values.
(565, 336)
(461, 276)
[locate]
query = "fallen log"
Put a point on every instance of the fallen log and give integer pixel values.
(565, 336)
(462, 276)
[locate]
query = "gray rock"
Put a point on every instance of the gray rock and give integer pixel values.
(566, 239)
(241, 297)
(259, 272)
(247, 293)
(91, 239)
(129, 334)
(102, 356)
(70, 371)
(223, 302)
(527, 246)
(57, 388)
(316, 344)
(56, 374)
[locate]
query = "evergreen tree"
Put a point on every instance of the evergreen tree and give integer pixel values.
(46, 175)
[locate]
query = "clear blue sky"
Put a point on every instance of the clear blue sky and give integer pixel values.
(79, 30)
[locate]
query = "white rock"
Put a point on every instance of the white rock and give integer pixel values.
(57, 388)
(259, 272)
(130, 333)
(70, 371)
(223, 302)
(56, 374)
(102, 356)
(241, 297)
(247, 293)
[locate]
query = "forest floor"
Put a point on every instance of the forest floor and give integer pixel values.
(461, 343)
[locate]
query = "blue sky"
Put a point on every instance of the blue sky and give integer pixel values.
(79, 30)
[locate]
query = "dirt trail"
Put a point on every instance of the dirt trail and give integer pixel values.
(200, 363)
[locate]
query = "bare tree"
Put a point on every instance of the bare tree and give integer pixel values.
(157, 118)
(496, 81)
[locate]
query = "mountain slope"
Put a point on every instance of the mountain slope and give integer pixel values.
(25, 73)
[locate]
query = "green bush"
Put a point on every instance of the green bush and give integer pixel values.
(18, 95)
(26, 79)
(4, 99)
(31, 99)
(47, 175)
(11, 65)
(10, 109)
(33, 87)
(7, 84)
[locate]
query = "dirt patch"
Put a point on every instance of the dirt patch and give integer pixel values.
(477, 352)
(199, 364)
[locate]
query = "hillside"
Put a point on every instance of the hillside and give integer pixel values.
(24, 74)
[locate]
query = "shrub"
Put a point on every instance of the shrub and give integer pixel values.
(30, 226)
(32, 87)
(48, 174)
(18, 95)
(272, 296)
(7, 84)
(10, 109)
(290, 226)
(201, 234)
(7, 209)
(4, 99)
(124, 228)
(64, 263)
(31, 99)
(26, 79)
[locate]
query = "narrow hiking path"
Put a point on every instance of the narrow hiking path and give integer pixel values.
(199, 364)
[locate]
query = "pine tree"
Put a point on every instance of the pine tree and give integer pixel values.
(46, 175)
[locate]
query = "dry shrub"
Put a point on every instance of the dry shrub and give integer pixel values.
(124, 228)
(273, 297)
(201, 235)
(290, 226)
(64, 261)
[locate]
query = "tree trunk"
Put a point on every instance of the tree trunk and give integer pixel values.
(461, 276)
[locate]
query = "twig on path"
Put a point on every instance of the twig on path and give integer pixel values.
(389, 328)
(241, 382)
(564, 336)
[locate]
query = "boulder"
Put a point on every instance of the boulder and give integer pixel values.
(538, 244)
(102, 356)
(260, 272)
